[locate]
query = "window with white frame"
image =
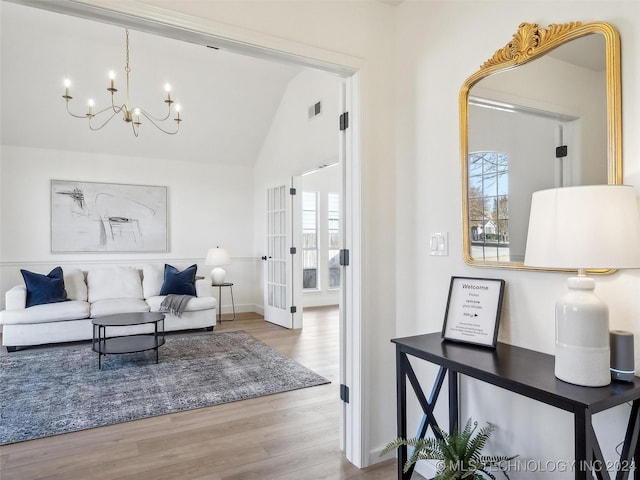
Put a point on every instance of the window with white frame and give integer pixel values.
(310, 240)
(489, 205)
(333, 227)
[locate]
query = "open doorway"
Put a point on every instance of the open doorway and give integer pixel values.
(190, 30)
(296, 174)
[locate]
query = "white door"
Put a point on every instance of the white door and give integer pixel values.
(282, 268)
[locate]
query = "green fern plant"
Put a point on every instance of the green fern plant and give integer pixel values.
(459, 455)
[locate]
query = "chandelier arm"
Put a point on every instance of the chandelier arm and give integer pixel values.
(115, 111)
(105, 122)
(153, 122)
(114, 107)
(153, 117)
(73, 114)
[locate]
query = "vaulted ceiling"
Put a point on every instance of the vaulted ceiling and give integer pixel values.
(228, 100)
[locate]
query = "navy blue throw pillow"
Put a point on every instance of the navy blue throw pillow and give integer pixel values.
(179, 283)
(43, 289)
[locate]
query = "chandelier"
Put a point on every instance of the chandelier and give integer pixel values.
(130, 114)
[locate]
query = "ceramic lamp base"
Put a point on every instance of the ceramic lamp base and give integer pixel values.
(582, 336)
(584, 366)
(218, 275)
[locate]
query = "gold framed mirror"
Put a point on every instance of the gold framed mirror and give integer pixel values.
(544, 111)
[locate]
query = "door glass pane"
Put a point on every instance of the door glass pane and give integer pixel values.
(333, 228)
(310, 240)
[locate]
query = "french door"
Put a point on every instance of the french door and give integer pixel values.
(283, 271)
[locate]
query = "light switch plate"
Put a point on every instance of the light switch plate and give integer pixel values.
(439, 244)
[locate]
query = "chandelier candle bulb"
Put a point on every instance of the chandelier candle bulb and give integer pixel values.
(112, 77)
(90, 107)
(67, 84)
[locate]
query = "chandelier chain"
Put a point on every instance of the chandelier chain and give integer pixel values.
(126, 67)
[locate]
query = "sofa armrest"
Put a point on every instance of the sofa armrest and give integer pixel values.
(16, 298)
(203, 288)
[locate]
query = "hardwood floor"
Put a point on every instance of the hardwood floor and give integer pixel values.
(287, 436)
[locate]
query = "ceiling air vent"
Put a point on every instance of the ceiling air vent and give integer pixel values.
(315, 110)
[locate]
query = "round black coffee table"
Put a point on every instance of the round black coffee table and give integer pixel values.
(133, 343)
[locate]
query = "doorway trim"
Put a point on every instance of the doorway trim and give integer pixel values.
(167, 23)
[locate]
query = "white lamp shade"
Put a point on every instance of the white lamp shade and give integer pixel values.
(217, 257)
(595, 226)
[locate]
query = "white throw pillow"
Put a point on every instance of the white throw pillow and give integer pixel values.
(75, 284)
(117, 282)
(112, 306)
(152, 280)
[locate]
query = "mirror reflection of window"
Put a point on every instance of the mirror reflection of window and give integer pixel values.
(555, 112)
(489, 205)
(310, 240)
(333, 213)
(529, 138)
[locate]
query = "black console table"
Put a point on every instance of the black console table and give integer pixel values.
(521, 371)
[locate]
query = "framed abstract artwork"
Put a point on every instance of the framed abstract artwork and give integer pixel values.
(107, 217)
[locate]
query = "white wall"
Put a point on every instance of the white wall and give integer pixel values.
(439, 44)
(295, 143)
(208, 205)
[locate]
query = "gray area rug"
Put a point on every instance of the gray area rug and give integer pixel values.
(49, 392)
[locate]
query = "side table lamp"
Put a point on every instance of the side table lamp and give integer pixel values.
(218, 257)
(586, 227)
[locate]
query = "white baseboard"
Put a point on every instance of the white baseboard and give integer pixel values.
(374, 456)
(240, 308)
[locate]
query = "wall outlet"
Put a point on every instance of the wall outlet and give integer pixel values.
(439, 244)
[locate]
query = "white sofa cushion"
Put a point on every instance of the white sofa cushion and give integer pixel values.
(49, 312)
(203, 288)
(111, 306)
(117, 282)
(16, 297)
(152, 280)
(194, 305)
(75, 284)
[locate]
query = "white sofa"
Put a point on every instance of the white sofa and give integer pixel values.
(94, 293)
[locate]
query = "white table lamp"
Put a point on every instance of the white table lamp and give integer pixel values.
(218, 257)
(586, 227)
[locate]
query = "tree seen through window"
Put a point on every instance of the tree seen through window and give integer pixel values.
(489, 205)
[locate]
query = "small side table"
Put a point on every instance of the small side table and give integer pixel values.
(233, 305)
(137, 342)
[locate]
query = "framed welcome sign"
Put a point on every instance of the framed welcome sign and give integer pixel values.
(473, 310)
